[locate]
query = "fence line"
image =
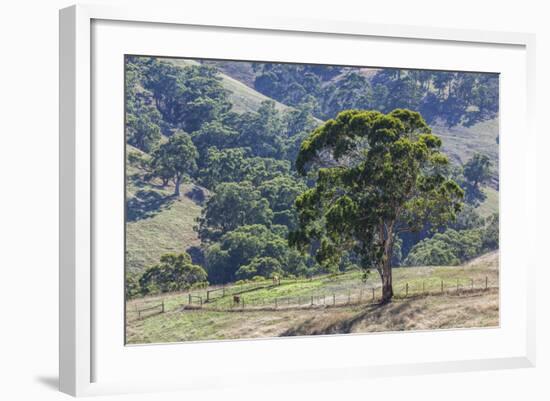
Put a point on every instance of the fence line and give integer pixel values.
(208, 292)
(198, 297)
(342, 298)
(155, 307)
(327, 299)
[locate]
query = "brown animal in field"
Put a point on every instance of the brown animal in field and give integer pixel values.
(236, 299)
(275, 280)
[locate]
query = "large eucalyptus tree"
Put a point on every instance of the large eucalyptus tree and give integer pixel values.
(377, 175)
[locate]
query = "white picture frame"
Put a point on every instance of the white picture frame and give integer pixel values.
(81, 342)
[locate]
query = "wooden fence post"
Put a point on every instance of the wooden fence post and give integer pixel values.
(406, 290)
(333, 299)
(189, 299)
(276, 303)
(486, 282)
(162, 306)
(312, 300)
(457, 285)
(372, 294)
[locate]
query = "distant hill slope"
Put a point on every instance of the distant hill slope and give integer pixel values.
(242, 71)
(490, 204)
(460, 142)
(157, 222)
(244, 98)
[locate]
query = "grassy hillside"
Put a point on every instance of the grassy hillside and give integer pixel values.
(240, 70)
(243, 97)
(490, 204)
(460, 142)
(158, 223)
(424, 308)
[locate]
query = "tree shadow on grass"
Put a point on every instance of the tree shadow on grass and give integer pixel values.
(394, 313)
(145, 180)
(146, 204)
(197, 255)
(197, 195)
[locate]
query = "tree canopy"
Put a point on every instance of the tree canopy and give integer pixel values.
(233, 205)
(378, 175)
(173, 273)
(453, 247)
(252, 250)
(186, 97)
(175, 159)
(477, 171)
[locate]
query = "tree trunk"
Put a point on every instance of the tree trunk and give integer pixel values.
(386, 270)
(177, 183)
(387, 287)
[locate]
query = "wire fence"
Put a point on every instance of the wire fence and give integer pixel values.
(355, 295)
(143, 311)
(245, 297)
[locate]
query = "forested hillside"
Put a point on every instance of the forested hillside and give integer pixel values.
(211, 164)
(452, 97)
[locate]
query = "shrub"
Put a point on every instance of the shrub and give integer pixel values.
(446, 249)
(266, 267)
(174, 273)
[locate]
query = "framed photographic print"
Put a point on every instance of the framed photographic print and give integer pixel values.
(290, 198)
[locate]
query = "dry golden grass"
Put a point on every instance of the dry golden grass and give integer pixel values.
(435, 312)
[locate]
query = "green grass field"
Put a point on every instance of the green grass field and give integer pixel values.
(286, 309)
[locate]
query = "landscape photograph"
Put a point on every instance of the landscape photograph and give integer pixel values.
(268, 199)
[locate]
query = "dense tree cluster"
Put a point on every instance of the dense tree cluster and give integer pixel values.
(245, 252)
(244, 160)
(453, 247)
(452, 97)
